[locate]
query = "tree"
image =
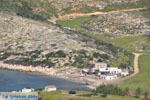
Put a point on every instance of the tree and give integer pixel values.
(109, 89)
(104, 95)
(126, 92)
(146, 95)
(138, 92)
(72, 92)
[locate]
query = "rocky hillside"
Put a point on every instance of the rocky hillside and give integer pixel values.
(31, 42)
(28, 42)
(46, 9)
(120, 23)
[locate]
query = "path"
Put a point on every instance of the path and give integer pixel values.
(68, 16)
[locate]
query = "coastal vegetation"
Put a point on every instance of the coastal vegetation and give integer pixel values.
(80, 95)
(115, 90)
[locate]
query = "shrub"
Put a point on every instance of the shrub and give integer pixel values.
(104, 95)
(138, 92)
(72, 92)
(109, 89)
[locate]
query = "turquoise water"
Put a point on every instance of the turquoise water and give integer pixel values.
(14, 80)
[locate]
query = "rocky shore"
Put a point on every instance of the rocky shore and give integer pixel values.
(46, 70)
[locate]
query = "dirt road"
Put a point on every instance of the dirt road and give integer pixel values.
(136, 64)
(68, 16)
(136, 70)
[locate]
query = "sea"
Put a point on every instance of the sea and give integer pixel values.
(15, 80)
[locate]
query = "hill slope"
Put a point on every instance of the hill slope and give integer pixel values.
(25, 41)
(46, 9)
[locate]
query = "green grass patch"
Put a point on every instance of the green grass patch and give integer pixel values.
(141, 80)
(130, 43)
(74, 24)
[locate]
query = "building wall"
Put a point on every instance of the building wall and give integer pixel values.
(99, 65)
(26, 90)
(105, 77)
(50, 89)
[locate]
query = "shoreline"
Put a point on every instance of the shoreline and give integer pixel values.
(51, 72)
(90, 82)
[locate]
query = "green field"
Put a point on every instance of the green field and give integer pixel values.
(141, 80)
(74, 24)
(80, 95)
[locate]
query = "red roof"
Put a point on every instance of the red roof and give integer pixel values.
(51, 86)
(90, 63)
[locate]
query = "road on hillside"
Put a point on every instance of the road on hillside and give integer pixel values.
(68, 16)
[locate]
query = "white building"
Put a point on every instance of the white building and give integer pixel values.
(100, 64)
(114, 70)
(108, 77)
(50, 88)
(124, 73)
(27, 90)
(110, 73)
(110, 70)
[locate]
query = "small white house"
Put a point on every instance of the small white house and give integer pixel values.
(50, 88)
(100, 64)
(108, 77)
(27, 90)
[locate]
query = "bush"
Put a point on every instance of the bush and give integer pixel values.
(104, 95)
(72, 92)
(59, 53)
(109, 89)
